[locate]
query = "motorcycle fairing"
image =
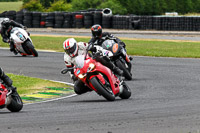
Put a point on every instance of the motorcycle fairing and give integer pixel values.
(3, 92)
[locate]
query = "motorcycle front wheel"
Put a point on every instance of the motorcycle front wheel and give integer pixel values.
(29, 48)
(102, 90)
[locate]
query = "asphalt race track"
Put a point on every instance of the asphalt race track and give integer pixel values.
(165, 99)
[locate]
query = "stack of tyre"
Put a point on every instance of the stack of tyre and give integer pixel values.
(50, 20)
(67, 21)
(10, 14)
(3, 14)
(43, 19)
(107, 18)
(97, 16)
(59, 18)
(36, 19)
(120, 22)
(134, 22)
(88, 19)
(27, 21)
(19, 17)
(79, 20)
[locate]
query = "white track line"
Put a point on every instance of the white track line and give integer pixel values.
(55, 98)
(52, 99)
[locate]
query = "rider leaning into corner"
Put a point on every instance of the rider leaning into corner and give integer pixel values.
(6, 27)
(7, 81)
(73, 48)
(98, 37)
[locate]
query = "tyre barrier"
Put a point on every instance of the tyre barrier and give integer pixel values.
(104, 17)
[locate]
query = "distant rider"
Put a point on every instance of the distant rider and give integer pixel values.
(72, 49)
(6, 27)
(98, 37)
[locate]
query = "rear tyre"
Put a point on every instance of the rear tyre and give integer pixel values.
(102, 90)
(30, 49)
(126, 73)
(126, 93)
(16, 103)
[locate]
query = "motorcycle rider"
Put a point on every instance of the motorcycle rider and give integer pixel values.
(98, 37)
(6, 80)
(6, 27)
(72, 49)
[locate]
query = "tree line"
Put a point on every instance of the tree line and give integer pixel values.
(122, 7)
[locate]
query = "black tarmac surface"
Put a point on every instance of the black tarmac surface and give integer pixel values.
(165, 99)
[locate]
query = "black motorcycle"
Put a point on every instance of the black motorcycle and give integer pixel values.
(120, 57)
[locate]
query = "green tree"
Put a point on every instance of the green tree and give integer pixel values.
(196, 5)
(171, 6)
(59, 5)
(85, 4)
(136, 7)
(115, 6)
(148, 9)
(185, 6)
(33, 5)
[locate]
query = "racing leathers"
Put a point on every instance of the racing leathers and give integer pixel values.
(5, 32)
(79, 86)
(6, 80)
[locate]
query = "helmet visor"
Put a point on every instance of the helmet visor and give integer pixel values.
(96, 34)
(71, 50)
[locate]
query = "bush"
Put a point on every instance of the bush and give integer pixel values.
(85, 4)
(33, 5)
(59, 5)
(115, 6)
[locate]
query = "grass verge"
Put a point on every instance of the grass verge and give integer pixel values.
(157, 48)
(7, 6)
(28, 85)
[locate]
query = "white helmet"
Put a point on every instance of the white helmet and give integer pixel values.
(70, 46)
(4, 22)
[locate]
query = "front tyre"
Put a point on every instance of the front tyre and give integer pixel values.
(102, 90)
(30, 49)
(16, 103)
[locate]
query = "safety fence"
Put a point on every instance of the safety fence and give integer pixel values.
(104, 17)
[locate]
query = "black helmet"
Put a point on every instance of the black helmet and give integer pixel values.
(96, 31)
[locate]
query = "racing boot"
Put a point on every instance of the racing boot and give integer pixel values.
(6, 80)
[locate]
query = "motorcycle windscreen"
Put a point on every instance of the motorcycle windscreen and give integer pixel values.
(79, 61)
(107, 44)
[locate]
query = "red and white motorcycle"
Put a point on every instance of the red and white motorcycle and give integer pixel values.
(9, 100)
(22, 42)
(99, 78)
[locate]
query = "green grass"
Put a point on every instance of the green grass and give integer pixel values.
(7, 6)
(157, 48)
(29, 85)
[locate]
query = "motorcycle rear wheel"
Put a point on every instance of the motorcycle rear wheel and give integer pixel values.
(102, 90)
(16, 103)
(126, 73)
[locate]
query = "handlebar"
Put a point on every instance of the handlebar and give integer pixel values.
(65, 70)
